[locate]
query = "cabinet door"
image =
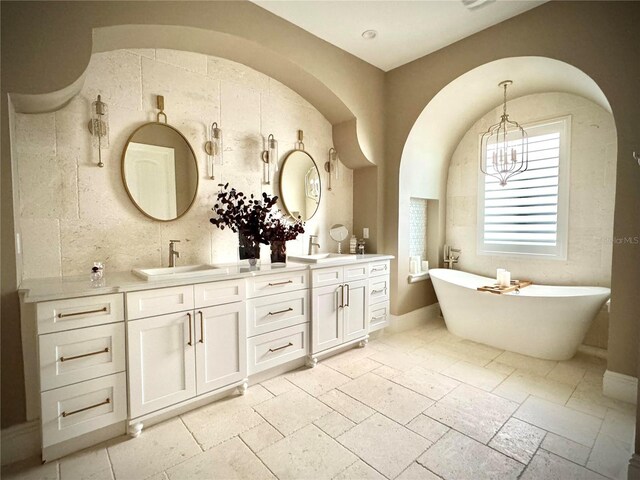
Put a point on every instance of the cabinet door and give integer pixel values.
(161, 362)
(221, 346)
(326, 317)
(356, 310)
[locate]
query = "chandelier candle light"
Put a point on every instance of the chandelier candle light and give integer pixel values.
(504, 146)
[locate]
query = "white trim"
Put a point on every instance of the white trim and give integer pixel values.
(20, 442)
(634, 467)
(415, 318)
(621, 387)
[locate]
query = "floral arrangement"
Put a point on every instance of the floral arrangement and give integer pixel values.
(277, 229)
(253, 218)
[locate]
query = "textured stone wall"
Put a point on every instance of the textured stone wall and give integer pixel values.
(71, 213)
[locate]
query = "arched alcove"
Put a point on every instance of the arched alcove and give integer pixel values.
(445, 119)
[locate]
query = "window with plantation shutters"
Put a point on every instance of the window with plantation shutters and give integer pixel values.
(528, 216)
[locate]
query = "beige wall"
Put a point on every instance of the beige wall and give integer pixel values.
(58, 38)
(597, 38)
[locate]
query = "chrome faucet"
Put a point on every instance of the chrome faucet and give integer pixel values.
(173, 253)
(449, 257)
(312, 243)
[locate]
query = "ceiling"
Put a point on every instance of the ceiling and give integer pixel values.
(406, 29)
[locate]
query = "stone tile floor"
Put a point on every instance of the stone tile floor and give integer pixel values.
(421, 404)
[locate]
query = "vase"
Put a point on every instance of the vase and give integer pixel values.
(248, 248)
(278, 251)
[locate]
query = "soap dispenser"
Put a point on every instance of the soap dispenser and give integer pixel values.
(353, 244)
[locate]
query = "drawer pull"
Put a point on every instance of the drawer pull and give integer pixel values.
(382, 290)
(281, 311)
(282, 347)
(62, 315)
(190, 342)
(378, 317)
(201, 326)
(107, 401)
(64, 359)
(279, 283)
(379, 269)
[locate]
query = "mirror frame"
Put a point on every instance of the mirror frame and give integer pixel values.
(126, 187)
(284, 162)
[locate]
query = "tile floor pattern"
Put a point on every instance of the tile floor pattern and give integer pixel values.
(421, 404)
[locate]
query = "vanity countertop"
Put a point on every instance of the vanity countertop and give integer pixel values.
(56, 288)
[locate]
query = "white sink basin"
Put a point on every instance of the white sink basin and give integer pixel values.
(323, 258)
(186, 271)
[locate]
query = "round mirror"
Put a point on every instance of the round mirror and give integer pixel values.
(160, 171)
(300, 185)
(338, 232)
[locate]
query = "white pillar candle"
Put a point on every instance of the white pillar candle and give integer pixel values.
(425, 266)
(506, 279)
(413, 266)
(499, 273)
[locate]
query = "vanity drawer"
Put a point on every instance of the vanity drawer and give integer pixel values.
(266, 314)
(378, 289)
(269, 284)
(379, 268)
(78, 355)
(379, 316)
(59, 315)
(74, 410)
(272, 349)
(219, 293)
(359, 271)
(321, 277)
(148, 303)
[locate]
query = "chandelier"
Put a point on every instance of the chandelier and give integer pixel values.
(504, 146)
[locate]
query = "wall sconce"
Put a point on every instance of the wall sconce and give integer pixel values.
(213, 147)
(332, 167)
(99, 127)
(270, 157)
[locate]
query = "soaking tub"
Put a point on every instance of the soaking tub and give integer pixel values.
(541, 321)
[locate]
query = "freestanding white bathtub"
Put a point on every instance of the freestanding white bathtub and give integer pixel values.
(541, 321)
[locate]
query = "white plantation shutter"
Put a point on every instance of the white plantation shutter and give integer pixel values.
(528, 215)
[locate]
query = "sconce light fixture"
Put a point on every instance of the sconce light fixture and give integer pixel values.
(99, 127)
(332, 167)
(270, 157)
(504, 146)
(213, 147)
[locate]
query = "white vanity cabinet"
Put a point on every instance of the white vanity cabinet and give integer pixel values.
(277, 319)
(340, 306)
(177, 356)
(81, 356)
(379, 295)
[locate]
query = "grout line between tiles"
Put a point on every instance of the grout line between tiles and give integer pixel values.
(113, 472)
(258, 457)
(191, 433)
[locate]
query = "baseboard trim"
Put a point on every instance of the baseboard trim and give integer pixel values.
(633, 472)
(20, 442)
(621, 387)
(415, 318)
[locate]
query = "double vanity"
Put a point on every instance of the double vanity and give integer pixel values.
(135, 351)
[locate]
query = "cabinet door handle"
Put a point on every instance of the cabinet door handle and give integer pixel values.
(190, 342)
(379, 269)
(282, 311)
(201, 326)
(62, 315)
(66, 414)
(382, 290)
(341, 287)
(279, 283)
(281, 348)
(65, 359)
(348, 295)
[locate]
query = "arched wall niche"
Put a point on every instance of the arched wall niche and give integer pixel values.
(219, 44)
(439, 128)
